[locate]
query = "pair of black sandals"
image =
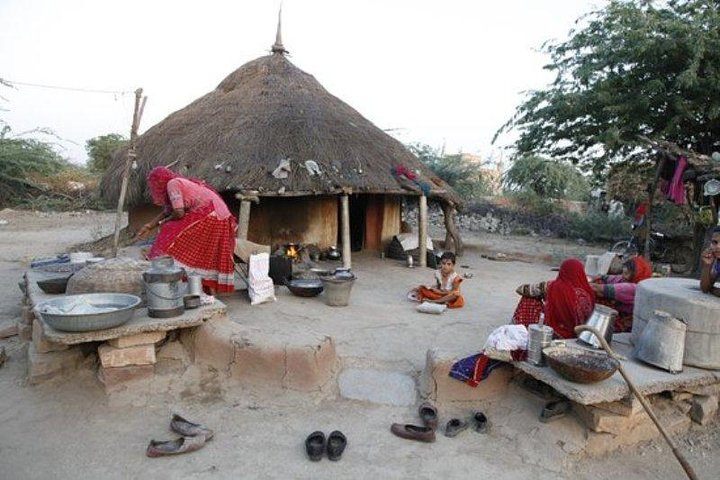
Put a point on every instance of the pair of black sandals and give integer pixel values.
(316, 445)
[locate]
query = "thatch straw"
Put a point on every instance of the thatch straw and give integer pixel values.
(266, 111)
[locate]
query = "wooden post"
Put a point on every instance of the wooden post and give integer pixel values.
(452, 236)
(243, 220)
(137, 115)
(345, 214)
(423, 230)
(651, 195)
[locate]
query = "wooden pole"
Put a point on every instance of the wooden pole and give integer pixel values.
(137, 114)
(243, 220)
(345, 214)
(651, 195)
(452, 236)
(423, 230)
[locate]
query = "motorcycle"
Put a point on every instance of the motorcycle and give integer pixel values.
(663, 248)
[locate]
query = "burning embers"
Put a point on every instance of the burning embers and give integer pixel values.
(292, 251)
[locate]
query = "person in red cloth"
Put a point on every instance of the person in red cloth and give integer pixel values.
(196, 228)
(568, 300)
(618, 291)
(447, 285)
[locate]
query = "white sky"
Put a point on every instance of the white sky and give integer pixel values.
(441, 72)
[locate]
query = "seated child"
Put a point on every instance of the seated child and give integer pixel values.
(447, 285)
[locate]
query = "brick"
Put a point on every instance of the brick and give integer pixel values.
(8, 328)
(626, 407)
(599, 420)
(115, 377)
(122, 357)
(139, 339)
(437, 385)
(44, 366)
(704, 408)
(42, 345)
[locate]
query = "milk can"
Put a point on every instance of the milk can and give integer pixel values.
(164, 287)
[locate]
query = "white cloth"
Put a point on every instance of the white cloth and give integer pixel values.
(508, 337)
(428, 307)
(260, 285)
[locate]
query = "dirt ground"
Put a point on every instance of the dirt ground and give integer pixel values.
(72, 429)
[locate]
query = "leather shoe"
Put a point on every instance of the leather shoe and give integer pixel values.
(429, 415)
(174, 447)
(413, 432)
(481, 422)
(336, 444)
(455, 426)
(186, 428)
(315, 446)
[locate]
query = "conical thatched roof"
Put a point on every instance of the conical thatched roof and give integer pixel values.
(266, 111)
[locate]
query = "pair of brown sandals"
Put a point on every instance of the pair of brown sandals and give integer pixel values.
(194, 437)
(428, 414)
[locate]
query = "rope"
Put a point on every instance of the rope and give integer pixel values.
(72, 89)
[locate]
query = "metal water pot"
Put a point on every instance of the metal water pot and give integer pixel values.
(662, 342)
(165, 288)
(602, 319)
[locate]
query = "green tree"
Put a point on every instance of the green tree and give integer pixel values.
(100, 150)
(636, 67)
(546, 178)
(21, 158)
(464, 176)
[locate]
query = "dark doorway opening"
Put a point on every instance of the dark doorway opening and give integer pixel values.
(358, 208)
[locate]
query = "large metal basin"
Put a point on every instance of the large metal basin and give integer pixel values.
(123, 303)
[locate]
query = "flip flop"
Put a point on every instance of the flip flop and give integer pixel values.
(455, 426)
(554, 410)
(480, 422)
(336, 444)
(186, 428)
(174, 447)
(429, 415)
(315, 446)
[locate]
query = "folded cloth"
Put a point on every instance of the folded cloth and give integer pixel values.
(428, 307)
(508, 337)
(476, 368)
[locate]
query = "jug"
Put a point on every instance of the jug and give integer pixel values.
(602, 319)
(164, 287)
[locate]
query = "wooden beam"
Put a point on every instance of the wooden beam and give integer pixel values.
(137, 115)
(452, 235)
(345, 215)
(651, 196)
(243, 220)
(423, 230)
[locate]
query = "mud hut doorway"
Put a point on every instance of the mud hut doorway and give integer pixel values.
(358, 218)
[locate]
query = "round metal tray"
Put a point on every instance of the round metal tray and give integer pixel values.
(72, 322)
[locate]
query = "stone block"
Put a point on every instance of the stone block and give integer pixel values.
(712, 389)
(139, 339)
(672, 419)
(122, 357)
(599, 420)
(42, 345)
(704, 408)
(24, 331)
(8, 328)
(115, 377)
(437, 385)
(44, 366)
(310, 366)
(626, 407)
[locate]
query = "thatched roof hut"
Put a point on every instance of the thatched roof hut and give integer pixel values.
(267, 111)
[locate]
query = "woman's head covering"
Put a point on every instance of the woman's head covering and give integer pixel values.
(158, 179)
(569, 299)
(642, 269)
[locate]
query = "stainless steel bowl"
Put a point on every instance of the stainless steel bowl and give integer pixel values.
(123, 303)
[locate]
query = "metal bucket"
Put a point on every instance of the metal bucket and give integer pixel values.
(337, 291)
(602, 319)
(539, 337)
(165, 289)
(662, 342)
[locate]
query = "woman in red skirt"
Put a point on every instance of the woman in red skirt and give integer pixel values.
(196, 228)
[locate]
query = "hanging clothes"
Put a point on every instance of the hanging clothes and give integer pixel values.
(676, 189)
